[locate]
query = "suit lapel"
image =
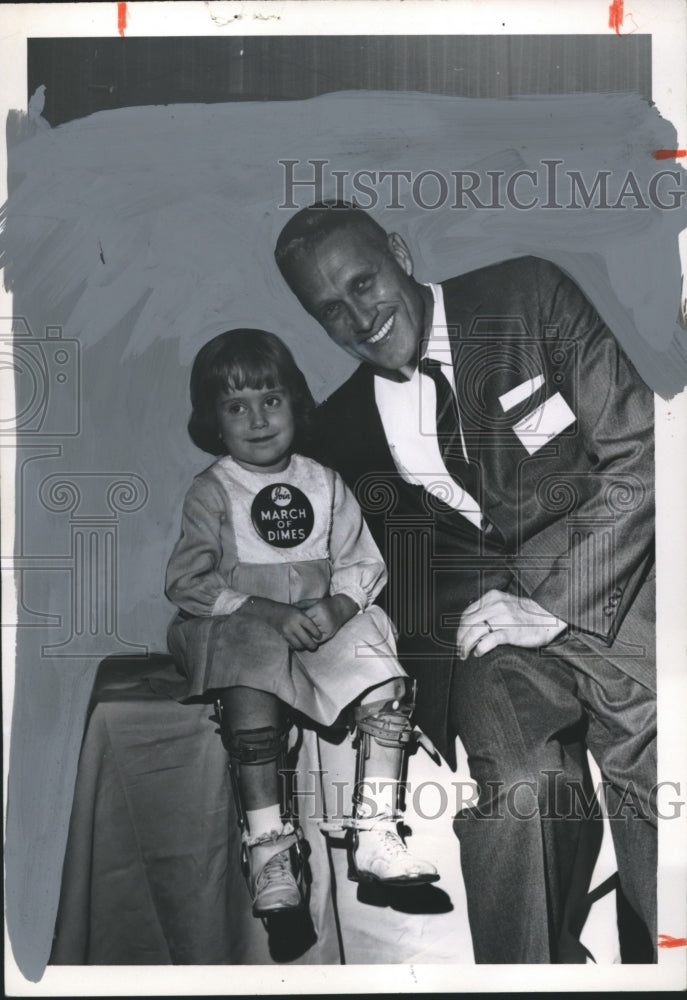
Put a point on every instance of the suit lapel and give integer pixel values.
(489, 359)
(373, 429)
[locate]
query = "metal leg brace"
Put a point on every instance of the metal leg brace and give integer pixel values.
(387, 723)
(246, 747)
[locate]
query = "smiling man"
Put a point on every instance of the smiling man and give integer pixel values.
(501, 446)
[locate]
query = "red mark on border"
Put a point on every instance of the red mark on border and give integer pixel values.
(616, 15)
(668, 154)
(666, 941)
(121, 18)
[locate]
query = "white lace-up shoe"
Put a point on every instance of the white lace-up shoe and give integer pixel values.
(380, 855)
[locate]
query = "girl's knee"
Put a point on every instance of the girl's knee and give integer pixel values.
(251, 708)
(391, 690)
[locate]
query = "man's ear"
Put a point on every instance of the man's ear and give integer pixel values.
(400, 252)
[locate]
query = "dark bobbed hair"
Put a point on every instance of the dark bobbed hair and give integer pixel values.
(311, 225)
(240, 359)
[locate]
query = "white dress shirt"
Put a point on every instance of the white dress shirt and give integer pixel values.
(408, 414)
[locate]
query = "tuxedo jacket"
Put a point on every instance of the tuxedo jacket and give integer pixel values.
(561, 426)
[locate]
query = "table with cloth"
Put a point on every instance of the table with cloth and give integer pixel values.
(151, 872)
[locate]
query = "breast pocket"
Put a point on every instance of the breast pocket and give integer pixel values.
(544, 423)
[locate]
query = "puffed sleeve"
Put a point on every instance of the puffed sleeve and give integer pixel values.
(193, 580)
(358, 569)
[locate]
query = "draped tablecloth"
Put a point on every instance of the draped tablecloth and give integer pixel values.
(151, 873)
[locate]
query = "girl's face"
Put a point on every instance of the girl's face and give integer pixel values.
(257, 427)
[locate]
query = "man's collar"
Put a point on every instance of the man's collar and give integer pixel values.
(438, 345)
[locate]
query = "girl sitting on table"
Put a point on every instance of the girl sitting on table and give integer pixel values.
(274, 576)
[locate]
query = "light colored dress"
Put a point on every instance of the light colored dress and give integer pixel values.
(292, 536)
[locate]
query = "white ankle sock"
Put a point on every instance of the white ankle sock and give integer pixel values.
(261, 821)
(379, 793)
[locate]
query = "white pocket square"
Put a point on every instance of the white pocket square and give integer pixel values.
(544, 423)
(519, 392)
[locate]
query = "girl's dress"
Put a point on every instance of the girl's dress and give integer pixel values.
(293, 536)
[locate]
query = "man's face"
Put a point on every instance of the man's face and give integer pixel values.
(365, 297)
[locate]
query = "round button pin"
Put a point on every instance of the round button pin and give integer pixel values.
(282, 515)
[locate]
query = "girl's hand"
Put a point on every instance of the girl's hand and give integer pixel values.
(293, 625)
(330, 613)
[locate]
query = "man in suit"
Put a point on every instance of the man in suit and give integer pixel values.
(501, 446)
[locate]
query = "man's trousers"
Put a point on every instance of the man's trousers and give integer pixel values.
(525, 718)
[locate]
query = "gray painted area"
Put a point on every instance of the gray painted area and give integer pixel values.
(143, 232)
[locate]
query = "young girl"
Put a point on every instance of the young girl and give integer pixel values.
(274, 576)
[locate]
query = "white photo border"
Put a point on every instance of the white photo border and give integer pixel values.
(666, 21)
